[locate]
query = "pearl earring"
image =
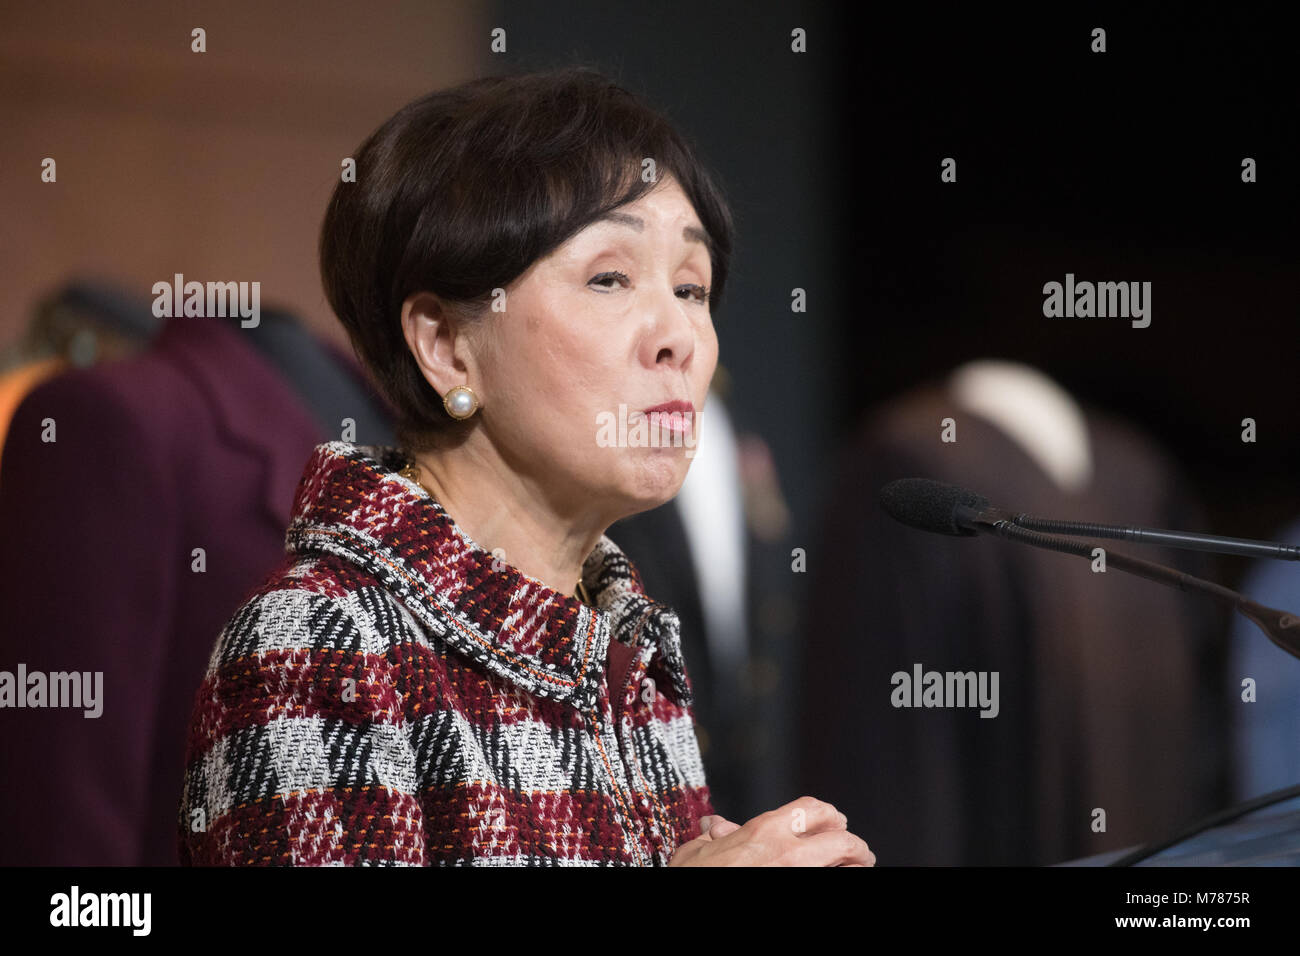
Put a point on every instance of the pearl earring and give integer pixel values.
(460, 402)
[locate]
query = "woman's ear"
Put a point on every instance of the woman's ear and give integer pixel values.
(439, 341)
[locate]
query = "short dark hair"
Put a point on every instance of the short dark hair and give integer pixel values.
(460, 191)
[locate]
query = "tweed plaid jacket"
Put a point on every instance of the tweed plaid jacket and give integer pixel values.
(396, 695)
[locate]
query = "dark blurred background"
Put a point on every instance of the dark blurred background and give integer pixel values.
(1112, 166)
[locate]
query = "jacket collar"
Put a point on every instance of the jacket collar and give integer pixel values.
(352, 502)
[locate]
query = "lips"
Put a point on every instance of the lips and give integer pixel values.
(670, 407)
(674, 416)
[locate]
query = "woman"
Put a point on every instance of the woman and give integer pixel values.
(454, 664)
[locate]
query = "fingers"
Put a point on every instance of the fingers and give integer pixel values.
(832, 848)
(716, 826)
(711, 826)
(722, 828)
(687, 853)
(804, 832)
(808, 815)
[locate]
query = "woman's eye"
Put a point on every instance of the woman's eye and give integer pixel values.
(605, 280)
(619, 277)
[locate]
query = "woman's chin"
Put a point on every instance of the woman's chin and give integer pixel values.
(656, 482)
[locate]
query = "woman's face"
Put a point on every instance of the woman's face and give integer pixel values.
(609, 325)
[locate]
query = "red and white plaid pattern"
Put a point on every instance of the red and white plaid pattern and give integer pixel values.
(393, 696)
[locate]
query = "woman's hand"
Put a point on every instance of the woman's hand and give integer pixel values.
(804, 832)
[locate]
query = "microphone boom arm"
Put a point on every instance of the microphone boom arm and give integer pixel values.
(1215, 543)
(1281, 627)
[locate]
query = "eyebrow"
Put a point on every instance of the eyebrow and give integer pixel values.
(689, 233)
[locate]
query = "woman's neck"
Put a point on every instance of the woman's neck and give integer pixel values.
(506, 513)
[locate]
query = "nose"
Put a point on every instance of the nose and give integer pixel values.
(671, 339)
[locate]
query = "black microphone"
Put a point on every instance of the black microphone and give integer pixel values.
(946, 509)
(933, 506)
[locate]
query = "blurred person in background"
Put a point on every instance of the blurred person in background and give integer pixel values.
(1104, 700)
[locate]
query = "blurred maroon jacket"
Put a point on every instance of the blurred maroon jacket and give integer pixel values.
(197, 442)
